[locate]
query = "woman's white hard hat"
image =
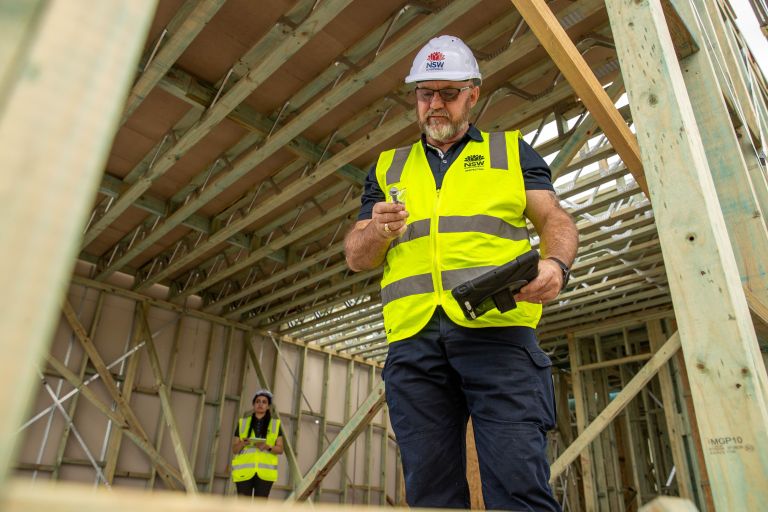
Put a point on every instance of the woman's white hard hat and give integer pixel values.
(444, 58)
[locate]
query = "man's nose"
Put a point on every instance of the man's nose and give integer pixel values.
(438, 98)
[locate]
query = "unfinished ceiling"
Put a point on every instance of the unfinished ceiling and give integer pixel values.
(239, 163)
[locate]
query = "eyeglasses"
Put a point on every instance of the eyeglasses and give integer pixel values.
(448, 94)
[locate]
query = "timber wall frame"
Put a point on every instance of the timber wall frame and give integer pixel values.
(202, 373)
(714, 259)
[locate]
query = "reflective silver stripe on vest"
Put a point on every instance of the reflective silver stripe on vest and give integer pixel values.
(267, 466)
(244, 466)
(412, 285)
(415, 230)
(398, 164)
(497, 143)
(273, 425)
(453, 278)
(482, 224)
(250, 450)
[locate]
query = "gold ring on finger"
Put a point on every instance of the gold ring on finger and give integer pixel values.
(386, 227)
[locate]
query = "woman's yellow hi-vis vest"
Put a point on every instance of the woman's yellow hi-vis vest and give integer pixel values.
(251, 460)
(472, 224)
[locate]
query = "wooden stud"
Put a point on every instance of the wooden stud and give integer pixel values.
(200, 410)
(171, 372)
(728, 382)
(587, 475)
(564, 53)
(323, 430)
(738, 195)
(298, 395)
(347, 416)
(634, 445)
(116, 436)
(242, 406)
(674, 427)
(368, 446)
(362, 417)
(165, 403)
(384, 458)
(219, 418)
(72, 406)
(52, 72)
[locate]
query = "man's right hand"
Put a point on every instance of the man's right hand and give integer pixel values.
(367, 242)
(389, 219)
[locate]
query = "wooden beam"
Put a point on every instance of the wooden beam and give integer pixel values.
(586, 129)
(566, 56)
(359, 421)
(52, 72)
(727, 379)
(24, 496)
(190, 19)
(615, 362)
(165, 403)
(604, 419)
(287, 46)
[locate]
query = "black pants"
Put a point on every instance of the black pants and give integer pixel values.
(501, 378)
(254, 487)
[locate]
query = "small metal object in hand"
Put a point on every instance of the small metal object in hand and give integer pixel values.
(398, 196)
(386, 228)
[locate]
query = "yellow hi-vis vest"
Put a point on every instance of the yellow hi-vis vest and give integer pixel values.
(251, 460)
(472, 224)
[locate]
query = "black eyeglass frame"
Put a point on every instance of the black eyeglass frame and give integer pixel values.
(451, 95)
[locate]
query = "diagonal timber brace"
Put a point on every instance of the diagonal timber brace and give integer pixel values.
(365, 413)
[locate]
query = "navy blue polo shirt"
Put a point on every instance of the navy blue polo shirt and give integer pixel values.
(536, 173)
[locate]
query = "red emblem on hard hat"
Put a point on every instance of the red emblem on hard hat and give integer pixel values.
(436, 56)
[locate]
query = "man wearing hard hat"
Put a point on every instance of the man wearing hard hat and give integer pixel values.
(446, 209)
(257, 443)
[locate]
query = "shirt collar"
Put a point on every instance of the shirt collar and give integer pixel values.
(472, 134)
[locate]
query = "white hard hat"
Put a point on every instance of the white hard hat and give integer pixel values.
(444, 58)
(262, 392)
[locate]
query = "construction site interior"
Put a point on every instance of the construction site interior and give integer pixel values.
(181, 176)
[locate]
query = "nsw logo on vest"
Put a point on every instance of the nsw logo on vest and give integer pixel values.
(474, 162)
(435, 61)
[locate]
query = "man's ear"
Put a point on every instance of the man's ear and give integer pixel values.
(474, 95)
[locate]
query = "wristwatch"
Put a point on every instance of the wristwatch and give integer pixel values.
(566, 271)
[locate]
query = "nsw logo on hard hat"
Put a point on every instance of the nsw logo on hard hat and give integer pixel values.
(435, 60)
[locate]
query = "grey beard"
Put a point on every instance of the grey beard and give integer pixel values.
(442, 132)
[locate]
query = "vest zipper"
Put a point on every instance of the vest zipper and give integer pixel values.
(437, 281)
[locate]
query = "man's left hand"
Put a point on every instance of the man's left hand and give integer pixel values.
(545, 287)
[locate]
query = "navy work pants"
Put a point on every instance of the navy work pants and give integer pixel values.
(501, 378)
